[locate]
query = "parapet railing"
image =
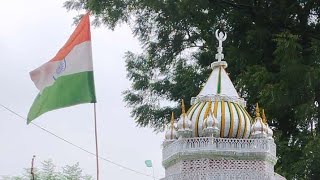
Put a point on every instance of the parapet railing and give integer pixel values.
(218, 144)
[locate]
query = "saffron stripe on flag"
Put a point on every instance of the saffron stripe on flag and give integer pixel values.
(80, 34)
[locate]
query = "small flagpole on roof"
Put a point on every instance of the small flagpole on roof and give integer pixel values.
(154, 178)
(149, 164)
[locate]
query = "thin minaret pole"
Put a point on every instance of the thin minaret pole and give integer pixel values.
(96, 138)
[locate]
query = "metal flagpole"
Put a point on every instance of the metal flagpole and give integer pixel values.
(31, 171)
(96, 137)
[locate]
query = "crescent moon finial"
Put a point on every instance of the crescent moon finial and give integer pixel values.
(217, 36)
(220, 37)
(225, 36)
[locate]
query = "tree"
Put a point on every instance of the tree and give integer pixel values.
(48, 171)
(73, 172)
(273, 52)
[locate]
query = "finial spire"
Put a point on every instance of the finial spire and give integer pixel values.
(172, 119)
(264, 118)
(257, 110)
(221, 37)
(183, 107)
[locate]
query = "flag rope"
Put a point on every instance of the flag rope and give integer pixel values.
(77, 146)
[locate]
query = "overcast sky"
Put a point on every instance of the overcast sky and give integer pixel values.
(31, 32)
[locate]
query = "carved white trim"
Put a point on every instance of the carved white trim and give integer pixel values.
(278, 177)
(223, 169)
(195, 148)
(213, 97)
(223, 175)
(224, 64)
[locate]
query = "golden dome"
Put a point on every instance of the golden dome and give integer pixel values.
(227, 107)
(233, 120)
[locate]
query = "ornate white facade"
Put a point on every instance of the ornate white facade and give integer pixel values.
(217, 139)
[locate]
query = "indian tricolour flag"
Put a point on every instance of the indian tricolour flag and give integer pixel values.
(67, 79)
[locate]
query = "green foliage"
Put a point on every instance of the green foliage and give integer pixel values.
(73, 172)
(273, 52)
(48, 171)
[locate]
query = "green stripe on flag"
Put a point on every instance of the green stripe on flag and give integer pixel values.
(66, 91)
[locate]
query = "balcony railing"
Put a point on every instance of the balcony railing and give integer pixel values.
(219, 145)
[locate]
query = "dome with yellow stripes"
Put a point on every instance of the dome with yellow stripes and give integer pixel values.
(227, 107)
(234, 120)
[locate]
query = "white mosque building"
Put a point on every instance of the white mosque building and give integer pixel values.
(216, 139)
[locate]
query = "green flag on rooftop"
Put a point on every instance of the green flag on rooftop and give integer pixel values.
(148, 163)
